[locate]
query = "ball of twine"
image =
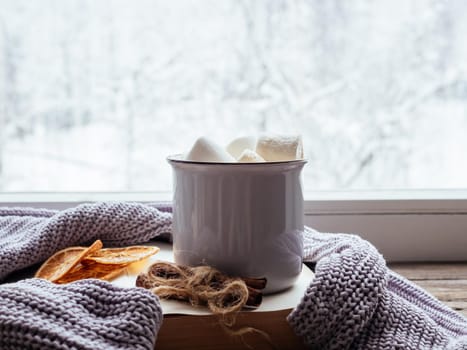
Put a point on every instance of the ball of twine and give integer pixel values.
(225, 296)
(202, 285)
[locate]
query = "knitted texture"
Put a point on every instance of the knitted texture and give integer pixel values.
(88, 314)
(356, 302)
(29, 236)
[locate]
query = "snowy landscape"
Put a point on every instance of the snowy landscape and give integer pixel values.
(94, 95)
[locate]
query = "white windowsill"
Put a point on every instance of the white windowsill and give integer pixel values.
(403, 225)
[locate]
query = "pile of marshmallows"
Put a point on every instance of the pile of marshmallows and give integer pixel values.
(267, 148)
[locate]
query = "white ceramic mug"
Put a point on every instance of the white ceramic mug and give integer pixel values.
(246, 219)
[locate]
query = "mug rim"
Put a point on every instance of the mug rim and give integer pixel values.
(177, 158)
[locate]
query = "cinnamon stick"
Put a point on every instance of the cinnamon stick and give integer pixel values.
(255, 297)
(256, 283)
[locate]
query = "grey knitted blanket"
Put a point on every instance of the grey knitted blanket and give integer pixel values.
(29, 236)
(354, 301)
(88, 314)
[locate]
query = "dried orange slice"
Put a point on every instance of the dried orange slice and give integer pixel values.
(63, 261)
(92, 270)
(118, 256)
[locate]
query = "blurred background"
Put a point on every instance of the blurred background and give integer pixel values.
(94, 95)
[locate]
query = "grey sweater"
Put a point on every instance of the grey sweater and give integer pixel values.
(354, 301)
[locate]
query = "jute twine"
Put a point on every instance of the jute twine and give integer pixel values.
(202, 286)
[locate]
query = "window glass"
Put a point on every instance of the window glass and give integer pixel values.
(95, 94)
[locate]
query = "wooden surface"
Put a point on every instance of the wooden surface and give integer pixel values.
(206, 333)
(446, 281)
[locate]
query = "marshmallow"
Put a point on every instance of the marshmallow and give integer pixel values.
(238, 145)
(280, 148)
(249, 156)
(204, 150)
